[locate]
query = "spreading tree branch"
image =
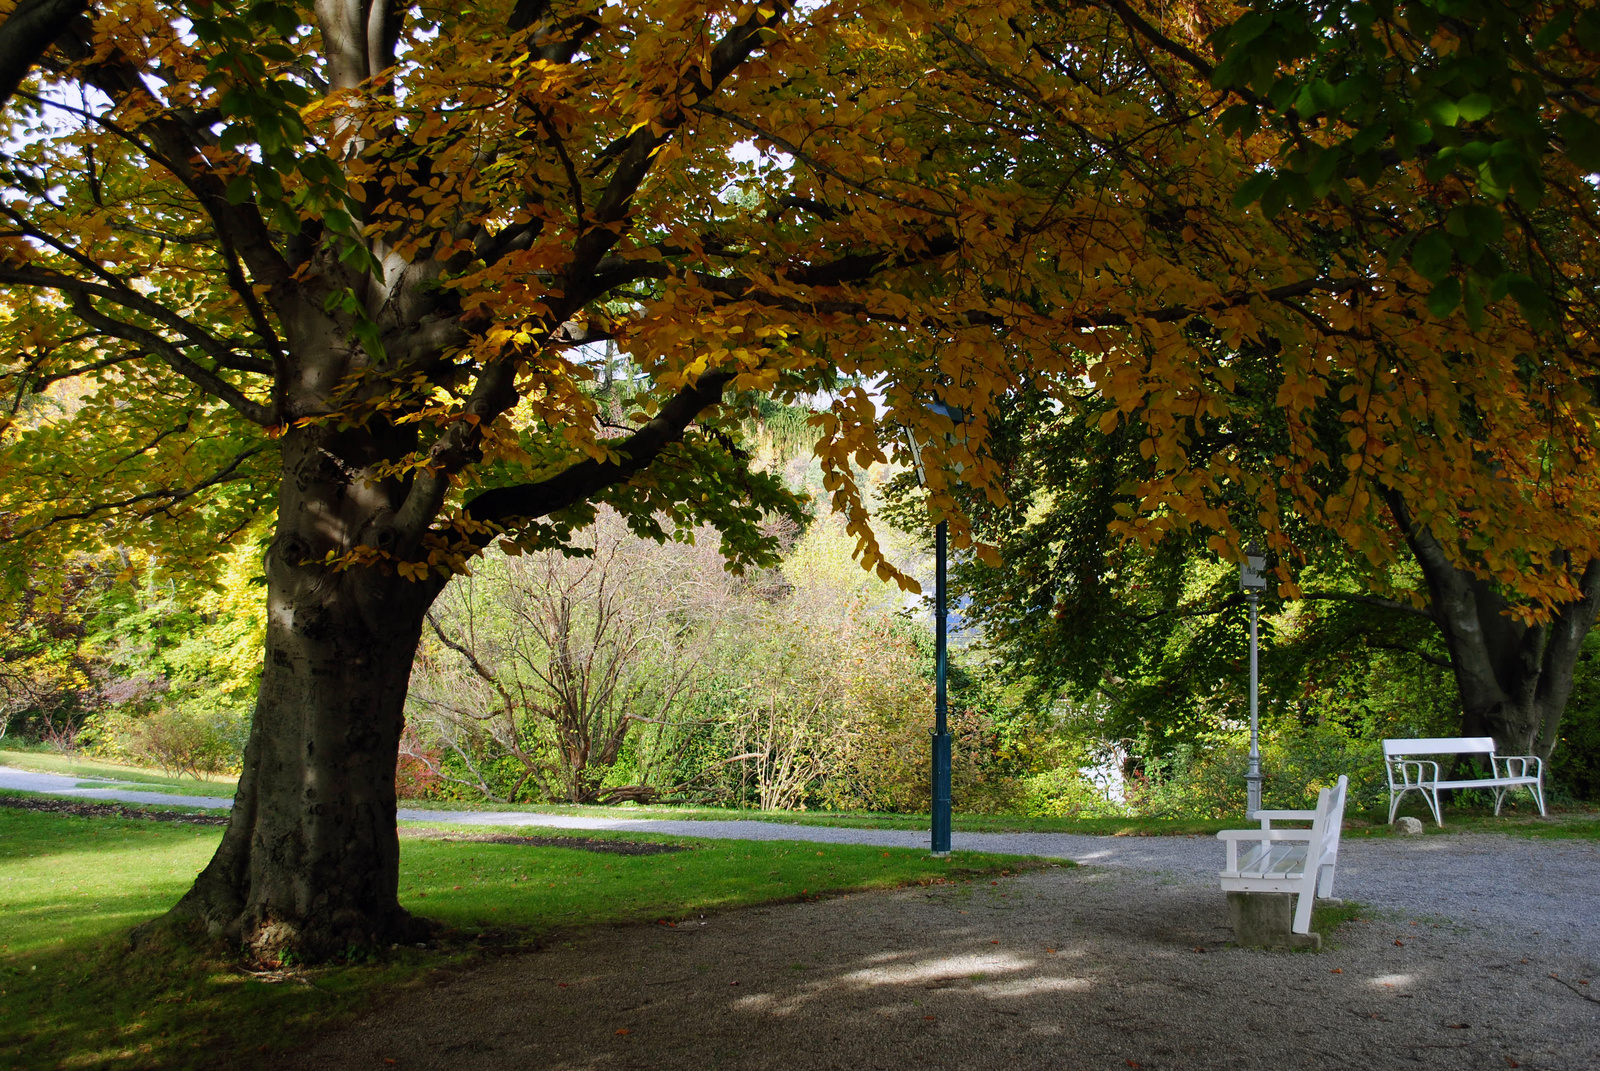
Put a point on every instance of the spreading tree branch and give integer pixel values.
(502, 505)
(173, 495)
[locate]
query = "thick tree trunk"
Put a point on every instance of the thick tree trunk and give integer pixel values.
(310, 860)
(1514, 679)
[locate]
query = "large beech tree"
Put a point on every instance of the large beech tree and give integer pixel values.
(337, 263)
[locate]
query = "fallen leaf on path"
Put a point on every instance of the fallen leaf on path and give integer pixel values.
(1399, 942)
(624, 1030)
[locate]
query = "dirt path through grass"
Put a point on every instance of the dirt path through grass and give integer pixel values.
(1095, 968)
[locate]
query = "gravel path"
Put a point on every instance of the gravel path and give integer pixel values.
(1099, 967)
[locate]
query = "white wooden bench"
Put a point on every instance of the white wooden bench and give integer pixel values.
(1407, 773)
(1300, 861)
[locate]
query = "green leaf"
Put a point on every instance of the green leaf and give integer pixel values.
(1398, 248)
(1474, 106)
(1251, 189)
(1531, 297)
(1472, 302)
(1240, 119)
(1468, 247)
(1274, 197)
(1483, 221)
(1432, 256)
(1441, 112)
(1553, 30)
(1324, 170)
(1445, 297)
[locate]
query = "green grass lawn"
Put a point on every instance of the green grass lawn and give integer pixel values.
(144, 778)
(72, 993)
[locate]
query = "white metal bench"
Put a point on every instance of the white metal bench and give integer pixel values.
(1300, 861)
(1410, 774)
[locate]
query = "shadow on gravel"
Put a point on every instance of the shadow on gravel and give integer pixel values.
(1065, 969)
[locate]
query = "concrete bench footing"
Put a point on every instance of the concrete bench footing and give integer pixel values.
(1264, 920)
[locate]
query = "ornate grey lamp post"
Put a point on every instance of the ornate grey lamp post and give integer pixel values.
(941, 727)
(1252, 582)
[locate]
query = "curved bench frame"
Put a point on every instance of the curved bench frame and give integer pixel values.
(1410, 774)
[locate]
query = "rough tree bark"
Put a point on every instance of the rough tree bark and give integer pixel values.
(1514, 679)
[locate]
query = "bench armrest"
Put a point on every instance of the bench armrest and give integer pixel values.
(1269, 817)
(1265, 834)
(1517, 766)
(1405, 767)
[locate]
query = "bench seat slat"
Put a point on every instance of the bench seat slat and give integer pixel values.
(1281, 860)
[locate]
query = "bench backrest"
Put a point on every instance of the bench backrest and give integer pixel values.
(1444, 745)
(1327, 825)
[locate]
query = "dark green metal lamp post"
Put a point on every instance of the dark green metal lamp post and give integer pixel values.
(941, 725)
(1251, 581)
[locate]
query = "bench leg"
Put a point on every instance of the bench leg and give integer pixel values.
(1432, 796)
(1395, 796)
(1499, 798)
(1538, 796)
(1302, 910)
(1325, 883)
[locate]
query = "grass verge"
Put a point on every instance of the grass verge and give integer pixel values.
(1327, 917)
(73, 994)
(1577, 822)
(146, 779)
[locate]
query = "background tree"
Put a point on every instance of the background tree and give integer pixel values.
(555, 658)
(1377, 417)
